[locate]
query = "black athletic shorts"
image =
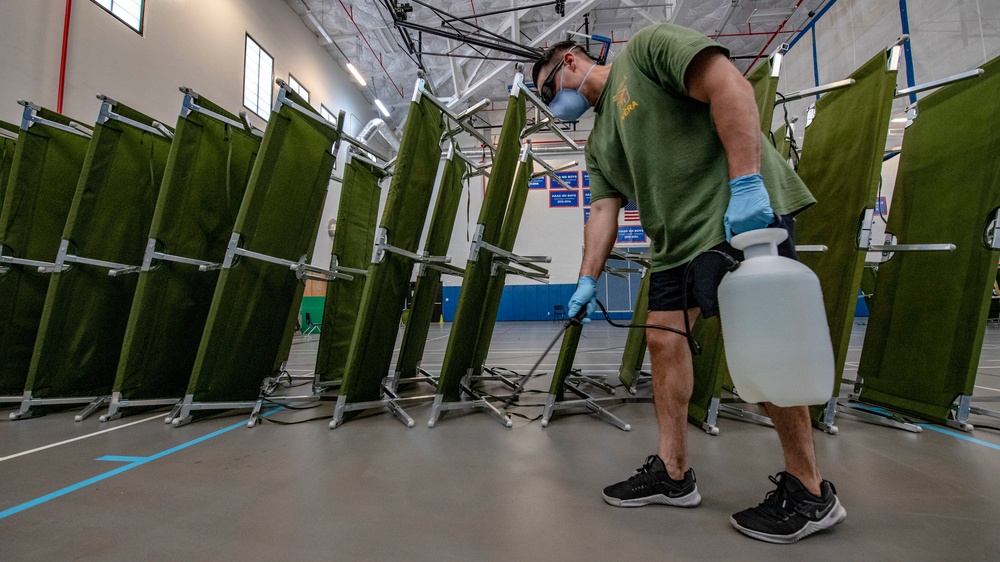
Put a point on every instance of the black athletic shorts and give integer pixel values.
(707, 270)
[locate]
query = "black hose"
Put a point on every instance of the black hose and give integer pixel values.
(731, 265)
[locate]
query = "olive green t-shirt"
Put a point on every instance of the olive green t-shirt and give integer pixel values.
(653, 144)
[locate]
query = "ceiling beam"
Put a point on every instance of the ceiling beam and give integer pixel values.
(463, 67)
(456, 72)
(640, 11)
(515, 24)
(541, 38)
(472, 75)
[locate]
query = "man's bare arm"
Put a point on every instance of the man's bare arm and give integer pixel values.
(712, 79)
(599, 235)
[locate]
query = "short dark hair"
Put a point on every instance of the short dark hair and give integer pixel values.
(551, 54)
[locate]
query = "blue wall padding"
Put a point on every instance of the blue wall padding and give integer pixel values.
(524, 302)
(861, 309)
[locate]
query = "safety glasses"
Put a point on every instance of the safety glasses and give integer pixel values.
(548, 89)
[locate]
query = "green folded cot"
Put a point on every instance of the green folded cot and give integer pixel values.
(249, 319)
(8, 143)
(44, 171)
(428, 288)
(465, 335)
(929, 310)
(388, 280)
(87, 304)
(841, 164)
(206, 175)
(352, 248)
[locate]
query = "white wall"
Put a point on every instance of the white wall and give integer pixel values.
(556, 232)
(194, 43)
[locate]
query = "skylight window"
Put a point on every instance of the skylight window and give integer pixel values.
(128, 12)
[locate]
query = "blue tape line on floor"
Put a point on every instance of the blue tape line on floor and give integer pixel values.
(884, 411)
(139, 461)
(960, 436)
(116, 458)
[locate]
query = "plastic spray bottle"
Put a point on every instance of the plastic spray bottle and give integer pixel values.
(774, 326)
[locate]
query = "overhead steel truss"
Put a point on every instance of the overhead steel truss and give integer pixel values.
(488, 45)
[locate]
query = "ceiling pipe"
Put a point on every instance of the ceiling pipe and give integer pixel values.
(379, 126)
(753, 33)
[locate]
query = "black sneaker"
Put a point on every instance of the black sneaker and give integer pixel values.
(651, 484)
(790, 512)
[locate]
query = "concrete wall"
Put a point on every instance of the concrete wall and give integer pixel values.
(195, 43)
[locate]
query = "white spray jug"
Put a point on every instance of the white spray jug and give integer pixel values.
(774, 325)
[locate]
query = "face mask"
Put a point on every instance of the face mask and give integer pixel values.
(569, 104)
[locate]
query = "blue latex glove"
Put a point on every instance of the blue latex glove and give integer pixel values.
(585, 296)
(749, 206)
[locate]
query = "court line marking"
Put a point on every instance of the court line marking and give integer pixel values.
(139, 461)
(87, 436)
(960, 436)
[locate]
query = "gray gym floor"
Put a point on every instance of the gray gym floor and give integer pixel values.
(470, 489)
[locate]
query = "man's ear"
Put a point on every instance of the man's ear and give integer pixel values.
(569, 60)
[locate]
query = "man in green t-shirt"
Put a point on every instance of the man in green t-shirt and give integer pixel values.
(677, 131)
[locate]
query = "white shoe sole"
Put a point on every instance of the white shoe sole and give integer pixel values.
(690, 500)
(836, 516)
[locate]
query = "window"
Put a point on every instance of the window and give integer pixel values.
(258, 71)
(128, 12)
(325, 114)
(297, 88)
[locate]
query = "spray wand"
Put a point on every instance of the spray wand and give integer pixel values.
(574, 321)
(731, 265)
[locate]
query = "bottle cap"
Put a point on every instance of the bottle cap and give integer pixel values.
(760, 242)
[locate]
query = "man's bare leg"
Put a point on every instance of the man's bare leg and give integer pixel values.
(673, 382)
(794, 427)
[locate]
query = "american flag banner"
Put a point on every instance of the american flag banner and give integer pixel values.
(632, 211)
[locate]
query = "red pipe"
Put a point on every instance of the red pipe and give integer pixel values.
(350, 16)
(62, 63)
(473, 4)
(751, 33)
(769, 41)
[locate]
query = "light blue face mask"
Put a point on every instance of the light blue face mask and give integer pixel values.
(569, 104)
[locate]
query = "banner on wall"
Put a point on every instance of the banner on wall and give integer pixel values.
(538, 183)
(586, 178)
(564, 198)
(631, 234)
(586, 197)
(572, 179)
(586, 215)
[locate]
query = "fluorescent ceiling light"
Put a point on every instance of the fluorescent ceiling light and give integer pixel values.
(774, 14)
(382, 107)
(357, 75)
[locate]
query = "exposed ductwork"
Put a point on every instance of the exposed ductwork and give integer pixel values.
(379, 126)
